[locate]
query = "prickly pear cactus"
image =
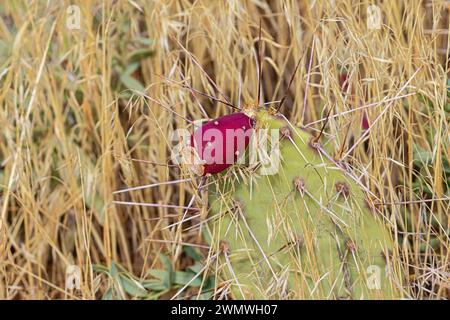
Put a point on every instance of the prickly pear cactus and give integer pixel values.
(305, 232)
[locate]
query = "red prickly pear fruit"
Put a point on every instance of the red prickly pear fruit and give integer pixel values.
(219, 143)
(343, 82)
(365, 122)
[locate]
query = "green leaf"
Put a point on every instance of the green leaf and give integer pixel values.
(196, 267)
(422, 187)
(132, 67)
(126, 95)
(154, 285)
(144, 41)
(131, 83)
(447, 105)
(446, 164)
(168, 266)
(448, 87)
(207, 290)
(100, 269)
(191, 252)
(132, 287)
(164, 277)
(140, 54)
(432, 244)
(421, 156)
(108, 295)
(427, 101)
(204, 296)
(113, 271)
(5, 49)
(159, 274)
(206, 235)
(209, 284)
(183, 278)
(166, 262)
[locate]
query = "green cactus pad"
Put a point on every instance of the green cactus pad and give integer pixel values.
(304, 232)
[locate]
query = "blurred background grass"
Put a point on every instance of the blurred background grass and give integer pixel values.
(74, 130)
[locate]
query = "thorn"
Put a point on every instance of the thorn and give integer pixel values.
(162, 105)
(179, 243)
(156, 205)
(344, 142)
(212, 258)
(148, 162)
(200, 67)
(260, 63)
(152, 185)
(289, 85)
(196, 99)
(364, 135)
(195, 91)
(181, 221)
(379, 203)
(308, 77)
(324, 124)
(373, 104)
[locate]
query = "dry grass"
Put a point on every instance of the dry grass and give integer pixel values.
(70, 132)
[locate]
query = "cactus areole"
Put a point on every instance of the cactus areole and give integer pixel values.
(219, 143)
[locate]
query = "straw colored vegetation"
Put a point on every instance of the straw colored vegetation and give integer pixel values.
(87, 111)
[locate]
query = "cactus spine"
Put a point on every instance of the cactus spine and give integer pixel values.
(305, 232)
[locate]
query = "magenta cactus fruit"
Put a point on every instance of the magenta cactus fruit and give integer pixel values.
(343, 81)
(365, 122)
(344, 84)
(219, 143)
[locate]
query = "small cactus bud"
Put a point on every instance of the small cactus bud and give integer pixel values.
(224, 247)
(314, 144)
(285, 132)
(343, 189)
(299, 185)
